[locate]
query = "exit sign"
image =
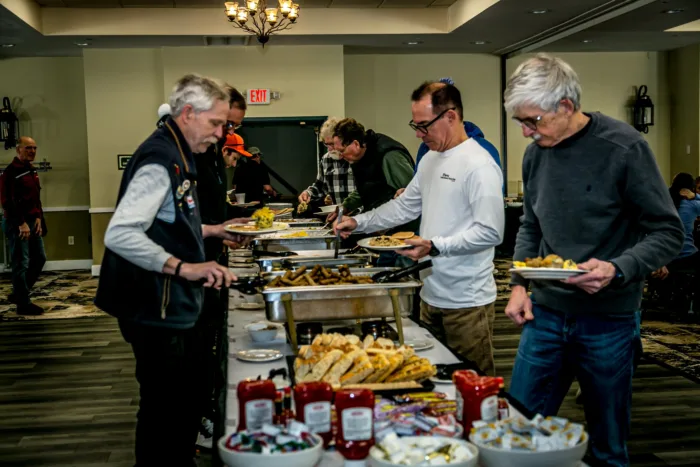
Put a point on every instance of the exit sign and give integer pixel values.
(258, 96)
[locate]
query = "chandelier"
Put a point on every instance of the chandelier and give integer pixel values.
(254, 17)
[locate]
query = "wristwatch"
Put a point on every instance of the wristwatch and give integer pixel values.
(619, 278)
(433, 250)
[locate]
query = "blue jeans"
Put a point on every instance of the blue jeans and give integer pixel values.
(27, 259)
(599, 351)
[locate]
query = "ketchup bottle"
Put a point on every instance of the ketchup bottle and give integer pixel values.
(458, 378)
(256, 404)
(480, 399)
(355, 409)
(313, 408)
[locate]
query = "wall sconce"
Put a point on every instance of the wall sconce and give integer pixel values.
(643, 110)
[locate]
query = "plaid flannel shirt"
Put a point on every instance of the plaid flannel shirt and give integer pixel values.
(334, 178)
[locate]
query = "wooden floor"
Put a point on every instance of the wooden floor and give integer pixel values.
(68, 397)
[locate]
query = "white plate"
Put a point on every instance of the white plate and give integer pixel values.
(547, 273)
(276, 227)
(441, 381)
(328, 209)
(364, 243)
(419, 344)
(259, 355)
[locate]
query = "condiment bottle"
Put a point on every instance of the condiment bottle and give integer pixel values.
(480, 399)
(313, 406)
(503, 407)
(355, 409)
(288, 412)
(256, 402)
(458, 378)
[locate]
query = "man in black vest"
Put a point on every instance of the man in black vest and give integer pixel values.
(211, 189)
(380, 166)
(154, 270)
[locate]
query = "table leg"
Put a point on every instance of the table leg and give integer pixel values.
(287, 301)
(394, 294)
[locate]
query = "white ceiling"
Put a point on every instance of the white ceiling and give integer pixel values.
(505, 27)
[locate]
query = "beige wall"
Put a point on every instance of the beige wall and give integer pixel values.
(378, 90)
(609, 82)
(684, 81)
(310, 79)
(48, 97)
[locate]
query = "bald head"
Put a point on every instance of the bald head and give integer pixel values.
(26, 149)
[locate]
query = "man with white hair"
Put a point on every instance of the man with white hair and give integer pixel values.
(334, 181)
(154, 271)
(593, 194)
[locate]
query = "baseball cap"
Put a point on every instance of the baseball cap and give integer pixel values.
(255, 151)
(236, 143)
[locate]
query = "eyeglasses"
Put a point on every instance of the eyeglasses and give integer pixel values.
(529, 122)
(424, 127)
(233, 125)
(329, 146)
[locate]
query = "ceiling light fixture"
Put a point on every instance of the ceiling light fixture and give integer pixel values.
(254, 17)
(540, 11)
(8, 46)
(480, 42)
(587, 41)
(82, 44)
(674, 11)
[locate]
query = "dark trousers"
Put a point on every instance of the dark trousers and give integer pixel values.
(27, 259)
(168, 419)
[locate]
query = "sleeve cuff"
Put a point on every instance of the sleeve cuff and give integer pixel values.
(441, 245)
(627, 265)
(517, 279)
(362, 221)
(159, 261)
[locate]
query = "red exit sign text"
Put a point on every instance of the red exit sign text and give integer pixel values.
(258, 96)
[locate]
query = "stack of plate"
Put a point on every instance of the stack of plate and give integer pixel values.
(278, 206)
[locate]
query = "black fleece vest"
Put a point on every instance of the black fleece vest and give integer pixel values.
(153, 298)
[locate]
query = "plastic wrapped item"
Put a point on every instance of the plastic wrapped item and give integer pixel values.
(538, 434)
(423, 451)
(271, 439)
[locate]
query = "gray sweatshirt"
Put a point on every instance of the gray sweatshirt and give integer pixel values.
(598, 194)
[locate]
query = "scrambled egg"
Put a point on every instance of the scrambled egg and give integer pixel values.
(300, 234)
(263, 218)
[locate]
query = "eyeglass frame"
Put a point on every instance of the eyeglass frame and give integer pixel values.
(529, 122)
(425, 127)
(232, 125)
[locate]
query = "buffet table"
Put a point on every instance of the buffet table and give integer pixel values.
(240, 314)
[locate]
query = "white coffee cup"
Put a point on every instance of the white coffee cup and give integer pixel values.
(240, 198)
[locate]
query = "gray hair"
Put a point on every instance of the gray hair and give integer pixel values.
(328, 128)
(542, 81)
(198, 91)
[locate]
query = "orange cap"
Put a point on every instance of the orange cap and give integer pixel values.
(236, 143)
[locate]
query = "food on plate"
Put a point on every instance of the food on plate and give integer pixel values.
(281, 212)
(273, 439)
(538, 434)
(319, 275)
(344, 360)
(403, 235)
(263, 217)
(384, 240)
(302, 207)
(299, 234)
(425, 450)
(550, 261)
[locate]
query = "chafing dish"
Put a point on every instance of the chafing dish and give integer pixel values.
(314, 242)
(293, 262)
(339, 302)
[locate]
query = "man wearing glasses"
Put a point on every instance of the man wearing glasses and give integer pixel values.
(457, 193)
(593, 194)
(380, 166)
(334, 181)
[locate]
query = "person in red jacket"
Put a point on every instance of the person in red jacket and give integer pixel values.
(23, 224)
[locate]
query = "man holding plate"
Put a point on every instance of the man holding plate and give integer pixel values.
(457, 190)
(593, 195)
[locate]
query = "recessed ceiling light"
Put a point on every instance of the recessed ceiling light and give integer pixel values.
(8, 46)
(413, 42)
(539, 11)
(587, 41)
(674, 11)
(82, 44)
(480, 42)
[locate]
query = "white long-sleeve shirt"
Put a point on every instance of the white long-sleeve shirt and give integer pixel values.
(459, 194)
(147, 197)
